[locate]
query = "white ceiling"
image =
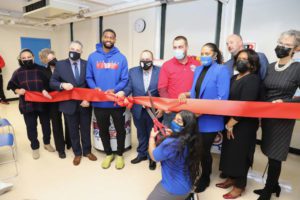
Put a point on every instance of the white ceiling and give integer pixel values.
(11, 11)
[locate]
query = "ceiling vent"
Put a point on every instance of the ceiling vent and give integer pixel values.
(50, 9)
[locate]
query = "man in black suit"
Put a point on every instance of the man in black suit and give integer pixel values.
(70, 73)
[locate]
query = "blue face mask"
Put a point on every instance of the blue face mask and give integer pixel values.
(175, 127)
(206, 60)
(178, 54)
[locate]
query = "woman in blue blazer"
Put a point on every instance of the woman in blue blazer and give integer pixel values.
(211, 81)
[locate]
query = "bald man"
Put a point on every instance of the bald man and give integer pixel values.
(235, 44)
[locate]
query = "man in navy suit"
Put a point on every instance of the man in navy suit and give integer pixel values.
(234, 45)
(70, 73)
(142, 79)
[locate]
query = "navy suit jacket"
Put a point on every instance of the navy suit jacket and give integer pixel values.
(215, 85)
(135, 86)
(63, 74)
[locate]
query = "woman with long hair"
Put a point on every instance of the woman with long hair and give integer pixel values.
(211, 81)
(180, 155)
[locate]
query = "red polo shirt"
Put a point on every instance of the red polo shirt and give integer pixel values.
(175, 78)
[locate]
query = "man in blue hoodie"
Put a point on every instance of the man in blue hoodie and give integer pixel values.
(107, 70)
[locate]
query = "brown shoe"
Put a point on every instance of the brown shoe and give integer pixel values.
(91, 157)
(77, 160)
(4, 102)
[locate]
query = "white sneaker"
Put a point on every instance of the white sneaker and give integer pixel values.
(36, 154)
(49, 148)
(4, 187)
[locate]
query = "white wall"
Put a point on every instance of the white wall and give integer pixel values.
(148, 38)
(195, 20)
(61, 40)
(11, 45)
(87, 32)
(120, 24)
(264, 21)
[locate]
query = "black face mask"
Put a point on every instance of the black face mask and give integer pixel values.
(26, 63)
(73, 55)
(52, 62)
(282, 52)
(146, 65)
(242, 66)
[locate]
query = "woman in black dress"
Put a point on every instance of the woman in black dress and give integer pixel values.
(280, 84)
(239, 144)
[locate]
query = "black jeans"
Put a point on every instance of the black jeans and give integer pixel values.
(2, 95)
(57, 128)
(206, 161)
(103, 120)
(31, 126)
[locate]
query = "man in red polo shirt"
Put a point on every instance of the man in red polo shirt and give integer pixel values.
(176, 74)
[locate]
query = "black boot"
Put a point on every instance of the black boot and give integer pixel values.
(272, 185)
(265, 195)
(275, 190)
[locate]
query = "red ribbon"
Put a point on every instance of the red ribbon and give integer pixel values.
(198, 106)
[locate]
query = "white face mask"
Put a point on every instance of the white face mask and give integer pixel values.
(178, 54)
(296, 56)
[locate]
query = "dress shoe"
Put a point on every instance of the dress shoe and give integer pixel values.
(36, 154)
(120, 163)
(231, 196)
(138, 159)
(49, 148)
(107, 161)
(77, 160)
(91, 157)
(234, 193)
(228, 183)
(152, 165)
(62, 155)
(4, 102)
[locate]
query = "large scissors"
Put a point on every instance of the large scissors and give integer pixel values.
(158, 126)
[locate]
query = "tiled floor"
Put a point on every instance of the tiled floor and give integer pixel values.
(51, 178)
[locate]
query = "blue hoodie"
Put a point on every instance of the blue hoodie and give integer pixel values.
(106, 71)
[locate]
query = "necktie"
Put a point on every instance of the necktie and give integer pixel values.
(77, 77)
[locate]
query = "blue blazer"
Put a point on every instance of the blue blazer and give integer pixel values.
(63, 73)
(215, 85)
(135, 86)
